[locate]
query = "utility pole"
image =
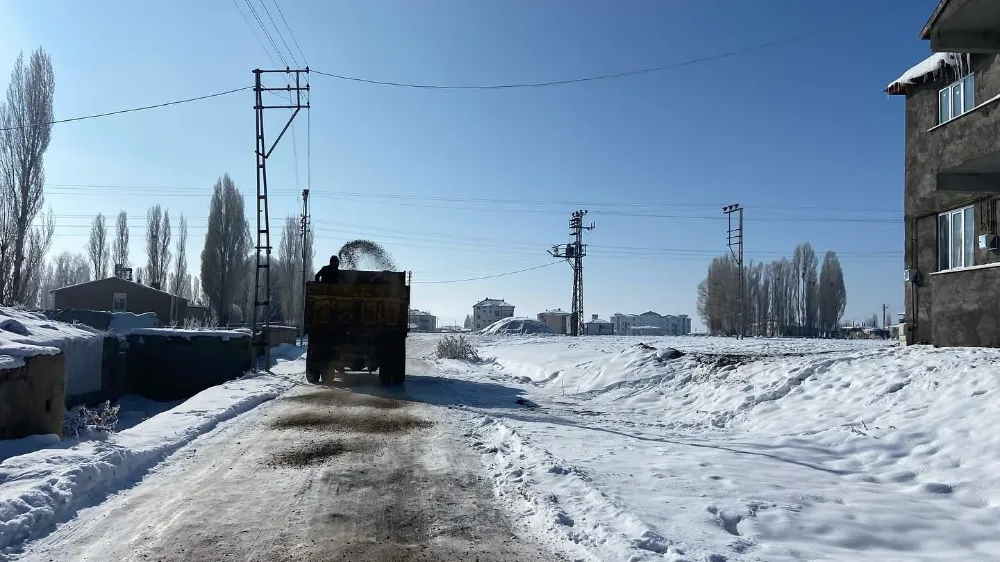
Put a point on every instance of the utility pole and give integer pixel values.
(885, 319)
(734, 240)
(262, 273)
(573, 253)
(304, 231)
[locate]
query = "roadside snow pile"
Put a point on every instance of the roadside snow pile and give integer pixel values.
(124, 322)
(42, 489)
(26, 334)
(725, 453)
(517, 326)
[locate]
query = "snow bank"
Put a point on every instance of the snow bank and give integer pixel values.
(26, 334)
(755, 450)
(125, 322)
(187, 334)
(41, 489)
(519, 326)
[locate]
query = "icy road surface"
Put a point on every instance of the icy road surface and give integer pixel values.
(320, 473)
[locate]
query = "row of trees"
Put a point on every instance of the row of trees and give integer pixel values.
(787, 297)
(227, 265)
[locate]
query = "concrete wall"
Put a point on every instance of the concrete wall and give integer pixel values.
(929, 149)
(31, 397)
(173, 367)
(965, 309)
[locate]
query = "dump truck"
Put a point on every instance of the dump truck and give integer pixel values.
(359, 323)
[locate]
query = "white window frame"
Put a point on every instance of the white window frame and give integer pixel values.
(114, 302)
(968, 95)
(946, 245)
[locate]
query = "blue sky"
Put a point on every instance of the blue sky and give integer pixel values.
(483, 182)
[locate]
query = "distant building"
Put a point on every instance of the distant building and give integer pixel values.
(113, 294)
(556, 319)
(598, 327)
(488, 311)
(651, 323)
(421, 321)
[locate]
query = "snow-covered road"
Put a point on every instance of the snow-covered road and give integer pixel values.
(320, 473)
(590, 449)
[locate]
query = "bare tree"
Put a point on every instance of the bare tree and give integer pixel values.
(69, 269)
(227, 247)
(138, 275)
(97, 247)
(119, 252)
(832, 294)
(157, 247)
(289, 270)
(180, 281)
(25, 133)
(805, 257)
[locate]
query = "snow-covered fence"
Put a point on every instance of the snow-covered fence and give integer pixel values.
(31, 394)
(171, 364)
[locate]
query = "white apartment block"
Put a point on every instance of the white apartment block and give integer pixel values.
(488, 311)
(651, 323)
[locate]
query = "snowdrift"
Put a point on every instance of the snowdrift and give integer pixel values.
(26, 334)
(517, 326)
(756, 450)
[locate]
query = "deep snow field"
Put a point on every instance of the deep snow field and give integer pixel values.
(742, 450)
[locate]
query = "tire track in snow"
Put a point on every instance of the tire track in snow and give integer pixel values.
(584, 521)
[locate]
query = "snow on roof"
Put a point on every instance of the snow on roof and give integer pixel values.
(27, 334)
(492, 302)
(188, 334)
(415, 312)
(556, 312)
(928, 66)
(598, 321)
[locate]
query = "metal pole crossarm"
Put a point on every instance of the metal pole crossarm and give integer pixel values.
(288, 88)
(286, 70)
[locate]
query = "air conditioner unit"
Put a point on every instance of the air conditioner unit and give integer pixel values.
(910, 275)
(987, 241)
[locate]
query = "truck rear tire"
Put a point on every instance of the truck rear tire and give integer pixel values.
(392, 370)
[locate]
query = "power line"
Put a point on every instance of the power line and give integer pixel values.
(408, 200)
(290, 34)
(491, 276)
(624, 74)
(130, 110)
(254, 32)
(281, 35)
(263, 28)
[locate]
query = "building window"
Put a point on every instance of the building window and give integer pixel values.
(956, 99)
(118, 303)
(956, 239)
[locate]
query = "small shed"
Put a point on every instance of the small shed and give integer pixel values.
(114, 294)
